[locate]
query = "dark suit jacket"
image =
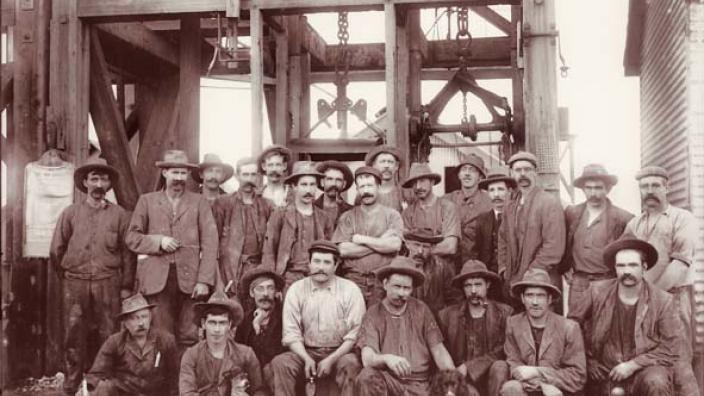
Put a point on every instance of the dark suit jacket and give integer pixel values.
(486, 244)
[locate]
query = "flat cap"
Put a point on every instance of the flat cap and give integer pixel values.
(322, 245)
(652, 171)
(367, 170)
(523, 156)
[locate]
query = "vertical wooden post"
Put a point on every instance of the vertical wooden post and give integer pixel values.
(517, 81)
(415, 66)
(256, 65)
(305, 92)
(391, 73)
(281, 132)
(187, 134)
(397, 68)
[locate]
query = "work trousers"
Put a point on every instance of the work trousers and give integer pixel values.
(579, 294)
(174, 312)
(89, 311)
(371, 288)
(515, 388)
(650, 381)
(684, 378)
(490, 382)
(375, 382)
(287, 371)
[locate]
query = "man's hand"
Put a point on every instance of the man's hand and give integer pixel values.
(462, 369)
(398, 365)
(201, 289)
(596, 371)
(325, 367)
(623, 371)
(358, 239)
(169, 244)
(124, 293)
(309, 367)
(525, 373)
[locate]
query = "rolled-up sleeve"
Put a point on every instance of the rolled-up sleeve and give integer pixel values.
(292, 330)
(356, 313)
(684, 238)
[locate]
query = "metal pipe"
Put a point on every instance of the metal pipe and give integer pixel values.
(456, 128)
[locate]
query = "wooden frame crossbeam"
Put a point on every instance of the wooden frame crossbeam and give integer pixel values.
(143, 38)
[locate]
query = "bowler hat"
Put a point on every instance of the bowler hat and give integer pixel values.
(534, 277)
(346, 172)
(133, 304)
(275, 149)
(261, 271)
(175, 159)
(404, 266)
(474, 160)
(499, 174)
(523, 156)
(473, 269)
(371, 155)
(629, 241)
(303, 168)
(368, 170)
(220, 299)
(424, 235)
(420, 170)
(210, 160)
(595, 172)
(652, 171)
(323, 245)
(97, 165)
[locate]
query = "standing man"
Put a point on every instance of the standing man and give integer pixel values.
(544, 350)
(387, 160)
(471, 201)
(241, 219)
(591, 226)
(137, 360)
(400, 341)
(475, 330)
(633, 327)
(532, 233)
(673, 232)
(322, 315)
(94, 267)
(291, 230)
(174, 232)
(217, 365)
(210, 175)
(275, 163)
(369, 235)
(337, 178)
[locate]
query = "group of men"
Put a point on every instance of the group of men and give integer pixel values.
(281, 289)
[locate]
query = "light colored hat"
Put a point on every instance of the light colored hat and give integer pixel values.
(595, 172)
(175, 159)
(303, 168)
(95, 164)
(652, 171)
(420, 170)
(534, 277)
(499, 174)
(210, 160)
(476, 161)
(404, 266)
(220, 299)
(133, 304)
(523, 156)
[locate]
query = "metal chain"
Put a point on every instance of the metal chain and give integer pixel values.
(342, 65)
(464, 107)
(464, 46)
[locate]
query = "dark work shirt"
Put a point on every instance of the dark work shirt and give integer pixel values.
(476, 337)
(538, 338)
(251, 242)
(589, 243)
(620, 346)
(305, 235)
(267, 343)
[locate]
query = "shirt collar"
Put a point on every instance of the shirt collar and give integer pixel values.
(332, 286)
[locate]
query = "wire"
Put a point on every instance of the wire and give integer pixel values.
(437, 19)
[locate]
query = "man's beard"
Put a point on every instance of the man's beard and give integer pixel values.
(332, 191)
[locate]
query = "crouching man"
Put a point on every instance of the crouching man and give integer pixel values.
(217, 365)
(139, 360)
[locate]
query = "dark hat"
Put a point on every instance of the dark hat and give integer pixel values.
(534, 277)
(404, 266)
(323, 245)
(473, 269)
(371, 155)
(476, 161)
(175, 159)
(303, 168)
(278, 149)
(133, 304)
(210, 160)
(420, 170)
(523, 156)
(220, 299)
(94, 164)
(652, 171)
(424, 235)
(368, 170)
(499, 174)
(261, 271)
(332, 164)
(629, 241)
(595, 172)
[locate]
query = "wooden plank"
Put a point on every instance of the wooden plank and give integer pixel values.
(162, 8)
(281, 130)
(479, 73)
(305, 92)
(310, 6)
(494, 18)
(6, 74)
(257, 70)
(187, 132)
(401, 94)
(313, 43)
(7, 14)
(110, 127)
(390, 59)
(294, 94)
(326, 146)
(143, 38)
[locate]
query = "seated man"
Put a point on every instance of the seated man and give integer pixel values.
(217, 365)
(632, 327)
(261, 328)
(400, 341)
(475, 329)
(139, 360)
(544, 350)
(321, 318)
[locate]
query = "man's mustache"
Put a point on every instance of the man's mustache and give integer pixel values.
(651, 196)
(274, 173)
(178, 182)
(421, 191)
(266, 299)
(318, 273)
(212, 180)
(332, 189)
(248, 184)
(594, 198)
(367, 195)
(498, 200)
(308, 195)
(627, 276)
(98, 190)
(523, 178)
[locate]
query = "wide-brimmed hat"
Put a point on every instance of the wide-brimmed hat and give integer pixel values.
(97, 165)
(371, 155)
(595, 172)
(474, 160)
(220, 299)
(303, 168)
(278, 149)
(535, 277)
(420, 170)
(323, 245)
(175, 159)
(473, 269)
(523, 156)
(629, 241)
(133, 304)
(332, 164)
(404, 266)
(210, 160)
(424, 235)
(652, 171)
(368, 170)
(499, 174)
(262, 271)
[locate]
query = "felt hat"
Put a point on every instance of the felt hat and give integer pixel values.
(210, 160)
(499, 174)
(372, 154)
(275, 149)
(220, 299)
(595, 172)
(473, 269)
(262, 271)
(368, 170)
(303, 168)
(629, 241)
(404, 266)
(420, 170)
(323, 245)
(474, 160)
(332, 164)
(523, 156)
(424, 235)
(94, 164)
(652, 171)
(175, 159)
(133, 304)
(535, 277)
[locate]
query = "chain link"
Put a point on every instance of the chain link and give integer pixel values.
(342, 65)
(464, 107)
(463, 37)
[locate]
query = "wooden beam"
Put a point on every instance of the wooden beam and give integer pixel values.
(187, 132)
(312, 42)
(479, 73)
(326, 146)
(390, 59)
(143, 38)
(257, 70)
(162, 8)
(494, 18)
(7, 14)
(110, 127)
(282, 124)
(308, 6)
(6, 73)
